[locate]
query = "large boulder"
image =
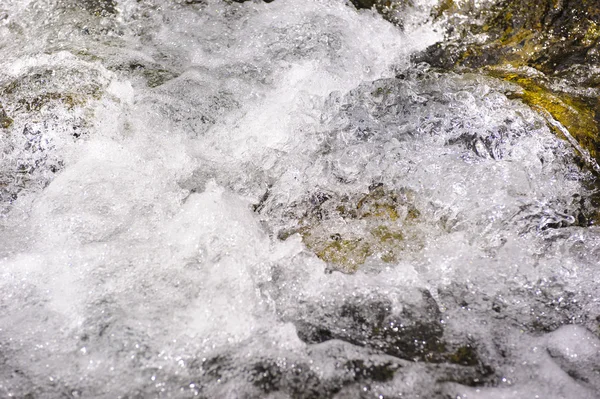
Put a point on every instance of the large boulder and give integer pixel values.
(549, 48)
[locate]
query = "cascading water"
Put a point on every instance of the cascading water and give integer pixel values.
(216, 199)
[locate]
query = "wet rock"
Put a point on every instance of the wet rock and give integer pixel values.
(539, 45)
(364, 3)
(36, 103)
(390, 10)
(577, 113)
(217, 367)
(369, 371)
(465, 356)
(157, 77)
(100, 7)
(154, 75)
(55, 99)
(293, 377)
(5, 120)
(412, 333)
(242, 1)
(547, 35)
(549, 305)
(346, 230)
(296, 380)
(408, 332)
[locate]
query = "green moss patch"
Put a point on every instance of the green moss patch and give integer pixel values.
(577, 115)
(345, 231)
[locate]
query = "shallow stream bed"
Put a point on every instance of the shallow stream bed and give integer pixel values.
(213, 199)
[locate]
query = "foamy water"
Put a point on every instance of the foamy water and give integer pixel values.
(173, 171)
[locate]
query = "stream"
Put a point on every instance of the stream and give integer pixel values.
(213, 199)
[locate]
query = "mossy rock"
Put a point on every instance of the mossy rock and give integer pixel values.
(34, 90)
(547, 35)
(344, 231)
(465, 356)
(578, 114)
(41, 99)
(349, 253)
(555, 39)
(157, 77)
(36, 103)
(5, 121)
(390, 10)
(443, 7)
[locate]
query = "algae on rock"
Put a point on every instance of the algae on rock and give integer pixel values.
(345, 231)
(560, 41)
(46, 109)
(5, 121)
(574, 112)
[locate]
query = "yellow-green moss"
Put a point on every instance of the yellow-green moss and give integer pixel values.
(382, 211)
(349, 254)
(384, 234)
(5, 121)
(36, 103)
(443, 7)
(575, 115)
(378, 204)
(413, 213)
(591, 35)
(344, 232)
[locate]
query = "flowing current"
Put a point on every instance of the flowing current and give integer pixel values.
(202, 198)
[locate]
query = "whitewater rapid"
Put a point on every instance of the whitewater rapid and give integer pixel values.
(172, 172)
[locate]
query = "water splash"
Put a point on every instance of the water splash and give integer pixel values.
(163, 158)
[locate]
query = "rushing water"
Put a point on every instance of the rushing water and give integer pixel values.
(173, 181)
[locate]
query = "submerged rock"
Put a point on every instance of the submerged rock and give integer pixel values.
(100, 7)
(154, 74)
(50, 106)
(577, 113)
(412, 332)
(548, 48)
(408, 331)
(5, 121)
(346, 230)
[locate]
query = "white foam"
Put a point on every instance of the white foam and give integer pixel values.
(142, 255)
